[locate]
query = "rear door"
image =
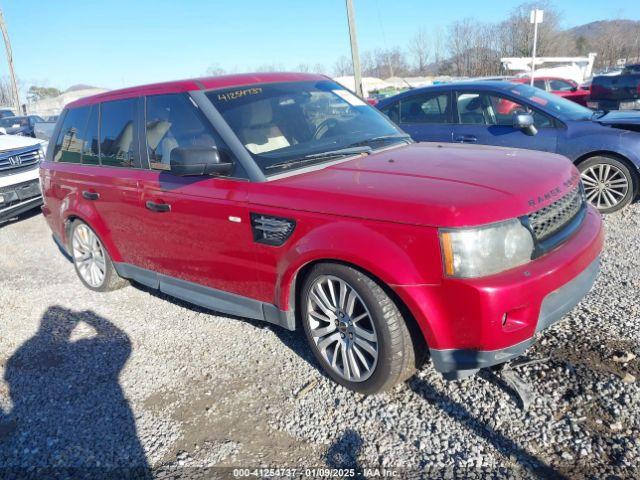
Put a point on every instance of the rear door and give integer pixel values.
(197, 228)
(425, 116)
(95, 172)
(486, 118)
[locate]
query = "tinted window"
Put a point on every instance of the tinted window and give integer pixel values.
(539, 84)
(426, 108)
(483, 109)
(560, 86)
(392, 111)
(118, 133)
(69, 142)
(90, 138)
(172, 121)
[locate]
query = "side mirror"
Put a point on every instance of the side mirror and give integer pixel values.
(574, 88)
(524, 122)
(198, 161)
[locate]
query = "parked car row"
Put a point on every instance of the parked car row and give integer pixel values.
(286, 198)
(605, 146)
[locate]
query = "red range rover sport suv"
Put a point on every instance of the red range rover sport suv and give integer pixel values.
(286, 198)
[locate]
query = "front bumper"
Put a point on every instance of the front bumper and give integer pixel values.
(458, 363)
(19, 198)
(474, 323)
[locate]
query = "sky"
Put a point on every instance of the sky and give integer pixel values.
(116, 43)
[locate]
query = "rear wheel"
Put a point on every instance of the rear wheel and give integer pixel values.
(91, 260)
(355, 329)
(609, 184)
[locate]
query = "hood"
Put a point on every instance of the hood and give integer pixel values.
(16, 142)
(620, 118)
(446, 185)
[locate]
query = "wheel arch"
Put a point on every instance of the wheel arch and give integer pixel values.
(633, 168)
(297, 281)
(96, 225)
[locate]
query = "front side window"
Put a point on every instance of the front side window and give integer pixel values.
(118, 133)
(295, 124)
(484, 109)
(426, 108)
(172, 121)
(68, 145)
(560, 86)
(540, 84)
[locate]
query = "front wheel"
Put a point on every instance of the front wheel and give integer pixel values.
(355, 329)
(609, 184)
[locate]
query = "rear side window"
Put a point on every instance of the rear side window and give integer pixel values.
(68, 145)
(118, 136)
(90, 150)
(426, 108)
(172, 121)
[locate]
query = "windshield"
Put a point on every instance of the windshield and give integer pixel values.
(565, 109)
(11, 121)
(291, 125)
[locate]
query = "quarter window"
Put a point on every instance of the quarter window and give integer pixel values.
(172, 121)
(69, 142)
(118, 133)
(430, 108)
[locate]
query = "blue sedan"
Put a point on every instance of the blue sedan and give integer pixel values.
(604, 145)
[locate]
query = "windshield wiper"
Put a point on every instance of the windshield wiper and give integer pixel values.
(342, 152)
(382, 138)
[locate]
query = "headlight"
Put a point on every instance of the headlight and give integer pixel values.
(40, 154)
(481, 251)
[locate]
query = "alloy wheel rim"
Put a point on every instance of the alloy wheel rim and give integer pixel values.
(342, 328)
(88, 256)
(604, 185)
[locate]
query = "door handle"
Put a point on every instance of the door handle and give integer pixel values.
(158, 207)
(466, 139)
(90, 195)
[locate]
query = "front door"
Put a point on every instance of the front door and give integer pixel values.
(487, 119)
(197, 228)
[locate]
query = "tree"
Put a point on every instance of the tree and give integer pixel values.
(343, 67)
(419, 48)
(36, 93)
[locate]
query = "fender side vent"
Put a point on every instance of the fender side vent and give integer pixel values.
(271, 230)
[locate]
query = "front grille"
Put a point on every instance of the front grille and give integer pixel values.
(550, 219)
(10, 161)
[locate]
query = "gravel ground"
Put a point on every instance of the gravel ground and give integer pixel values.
(133, 378)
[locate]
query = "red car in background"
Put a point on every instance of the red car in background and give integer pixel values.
(559, 86)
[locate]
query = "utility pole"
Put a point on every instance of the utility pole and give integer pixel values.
(12, 74)
(355, 56)
(536, 18)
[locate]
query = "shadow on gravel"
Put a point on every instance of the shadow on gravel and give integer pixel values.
(70, 418)
(343, 452)
(506, 446)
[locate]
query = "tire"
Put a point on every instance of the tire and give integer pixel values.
(84, 241)
(368, 314)
(609, 183)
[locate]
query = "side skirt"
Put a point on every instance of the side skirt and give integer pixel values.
(217, 300)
